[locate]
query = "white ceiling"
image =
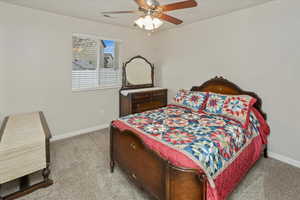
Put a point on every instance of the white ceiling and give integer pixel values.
(91, 9)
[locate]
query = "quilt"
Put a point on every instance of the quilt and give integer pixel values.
(211, 141)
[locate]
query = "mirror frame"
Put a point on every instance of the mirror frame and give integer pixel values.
(127, 85)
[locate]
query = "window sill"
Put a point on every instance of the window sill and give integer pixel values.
(95, 89)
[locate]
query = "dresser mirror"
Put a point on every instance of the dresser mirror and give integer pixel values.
(138, 93)
(137, 73)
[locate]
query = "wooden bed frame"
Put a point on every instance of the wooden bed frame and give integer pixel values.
(148, 170)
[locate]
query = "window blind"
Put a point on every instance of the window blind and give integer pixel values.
(95, 63)
(83, 79)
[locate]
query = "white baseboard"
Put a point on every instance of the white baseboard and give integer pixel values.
(285, 159)
(78, 132)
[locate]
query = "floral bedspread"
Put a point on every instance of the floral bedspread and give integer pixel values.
(211, 141)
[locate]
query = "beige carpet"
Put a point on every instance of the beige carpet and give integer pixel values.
(80, 171)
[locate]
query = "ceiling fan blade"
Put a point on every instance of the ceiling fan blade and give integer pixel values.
(142, 4)
(170, 19)
(179, 5)
(122, 12)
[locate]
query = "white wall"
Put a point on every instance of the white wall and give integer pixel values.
(1, 75)
(35, 67)
(257, 48)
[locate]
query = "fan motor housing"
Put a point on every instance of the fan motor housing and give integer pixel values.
(152, 3)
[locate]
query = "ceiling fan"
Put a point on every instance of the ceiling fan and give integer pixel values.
(152, 13)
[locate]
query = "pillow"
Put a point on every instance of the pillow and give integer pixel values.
(236, 107)
(190, 99)
(179, 97)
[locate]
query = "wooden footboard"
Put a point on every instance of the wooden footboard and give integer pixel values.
(151, 172)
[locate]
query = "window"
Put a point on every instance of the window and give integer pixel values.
(95, 63)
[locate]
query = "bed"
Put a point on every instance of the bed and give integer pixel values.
(167, 173)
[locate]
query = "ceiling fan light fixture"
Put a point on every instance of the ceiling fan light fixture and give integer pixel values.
(157, 22)
(148, 22)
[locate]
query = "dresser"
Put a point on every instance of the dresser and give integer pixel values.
(140, 100)
(138, 93)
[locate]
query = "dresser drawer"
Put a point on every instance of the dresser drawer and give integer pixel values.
(142, 95)
(142, 101)
(150, 105)
(146, 95)
(159, 93)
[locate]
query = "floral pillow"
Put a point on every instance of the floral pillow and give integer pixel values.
(179, 97)
(233, 106)
(190, 99)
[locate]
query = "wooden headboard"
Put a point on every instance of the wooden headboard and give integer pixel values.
(223, 86)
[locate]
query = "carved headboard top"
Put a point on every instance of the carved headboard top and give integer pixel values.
(223, 86)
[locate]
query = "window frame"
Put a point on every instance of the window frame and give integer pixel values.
(99, 87)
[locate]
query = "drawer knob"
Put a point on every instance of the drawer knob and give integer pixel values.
(132, 145)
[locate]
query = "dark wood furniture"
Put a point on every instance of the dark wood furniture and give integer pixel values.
(142, 101)
(139, 101)
(25, 187)
(151, 172)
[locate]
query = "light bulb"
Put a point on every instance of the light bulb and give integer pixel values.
(157, 22)
(148, 22)
(140, 22)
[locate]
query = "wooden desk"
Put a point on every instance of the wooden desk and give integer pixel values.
(24, 149)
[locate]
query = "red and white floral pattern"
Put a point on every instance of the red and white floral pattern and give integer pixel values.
(190, 99)
(176, 122)
(215, 103)
(180, 96)
(236, 107)
(178, 137)
(195, 100)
